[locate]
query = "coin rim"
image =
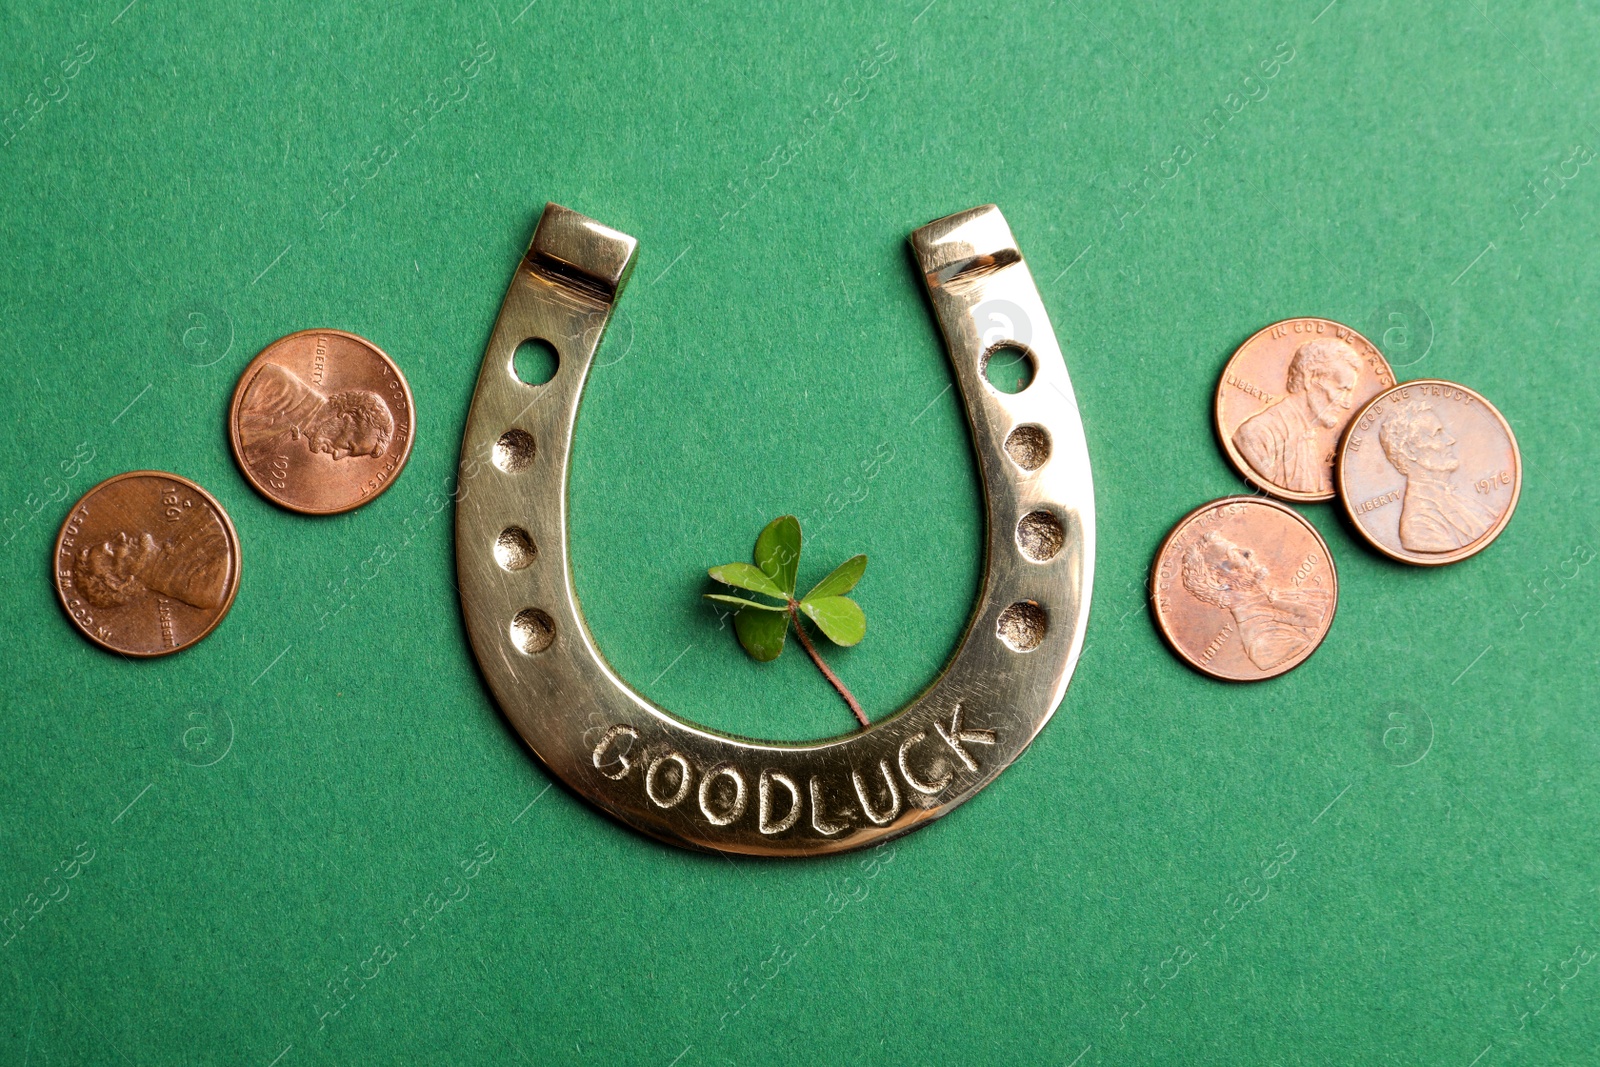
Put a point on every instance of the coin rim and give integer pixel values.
(1177, 528)
(237, 446)
(233, 580)
(1238, 461)
(1431, 559)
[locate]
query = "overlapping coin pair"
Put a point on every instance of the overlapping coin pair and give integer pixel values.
(1427, 471)
(147, 563)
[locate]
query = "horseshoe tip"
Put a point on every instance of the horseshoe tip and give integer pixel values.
(576, 248)
(977, 238)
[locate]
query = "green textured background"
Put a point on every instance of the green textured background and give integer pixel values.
(268, 808)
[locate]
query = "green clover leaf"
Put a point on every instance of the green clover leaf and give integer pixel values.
(744, 576)
(762, 632)
(841, 581)
(778, 552)
(837, 616)
(762, 628)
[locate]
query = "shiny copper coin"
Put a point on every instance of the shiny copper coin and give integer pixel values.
(1244, 589)
(1285, 398)
(146, 564)
(1429, 472)
(322, 422)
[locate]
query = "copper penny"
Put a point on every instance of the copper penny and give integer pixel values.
(1244, 589)
(1286, 396)
(146, 564)
(322, 422)
(1429, 472)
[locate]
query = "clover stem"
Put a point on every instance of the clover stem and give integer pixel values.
(800, 632)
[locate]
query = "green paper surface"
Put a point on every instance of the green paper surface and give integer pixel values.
(312, 838)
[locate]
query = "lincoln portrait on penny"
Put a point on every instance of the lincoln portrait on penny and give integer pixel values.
(279, 408)
(1288, 442)
(1435, 516)
(1275, 623)
(190, 563)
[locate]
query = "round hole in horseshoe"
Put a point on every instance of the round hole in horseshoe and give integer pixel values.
(532, 631)
(1040, 536)
(1022, 626)
(1028, 447)
(514, 451)
(514, 548)
(535, 361)
(1008, 368)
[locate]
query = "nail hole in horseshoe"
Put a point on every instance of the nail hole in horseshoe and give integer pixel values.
(514, 549)
(1022, 626)
(1008, 368)
(532, 631)
(1040, 536)
(535, 361)
(514, 451)
(1028, 447)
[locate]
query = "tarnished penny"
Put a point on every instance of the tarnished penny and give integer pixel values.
(147, 563)
(322, 422)
(1285, 398)
(1244, 589)
(1429, 472)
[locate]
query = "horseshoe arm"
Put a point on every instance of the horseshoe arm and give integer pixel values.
(703, 789)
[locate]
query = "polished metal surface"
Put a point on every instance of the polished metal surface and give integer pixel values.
(698, 788)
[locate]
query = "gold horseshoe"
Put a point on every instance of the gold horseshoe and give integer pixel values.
(695, 787)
